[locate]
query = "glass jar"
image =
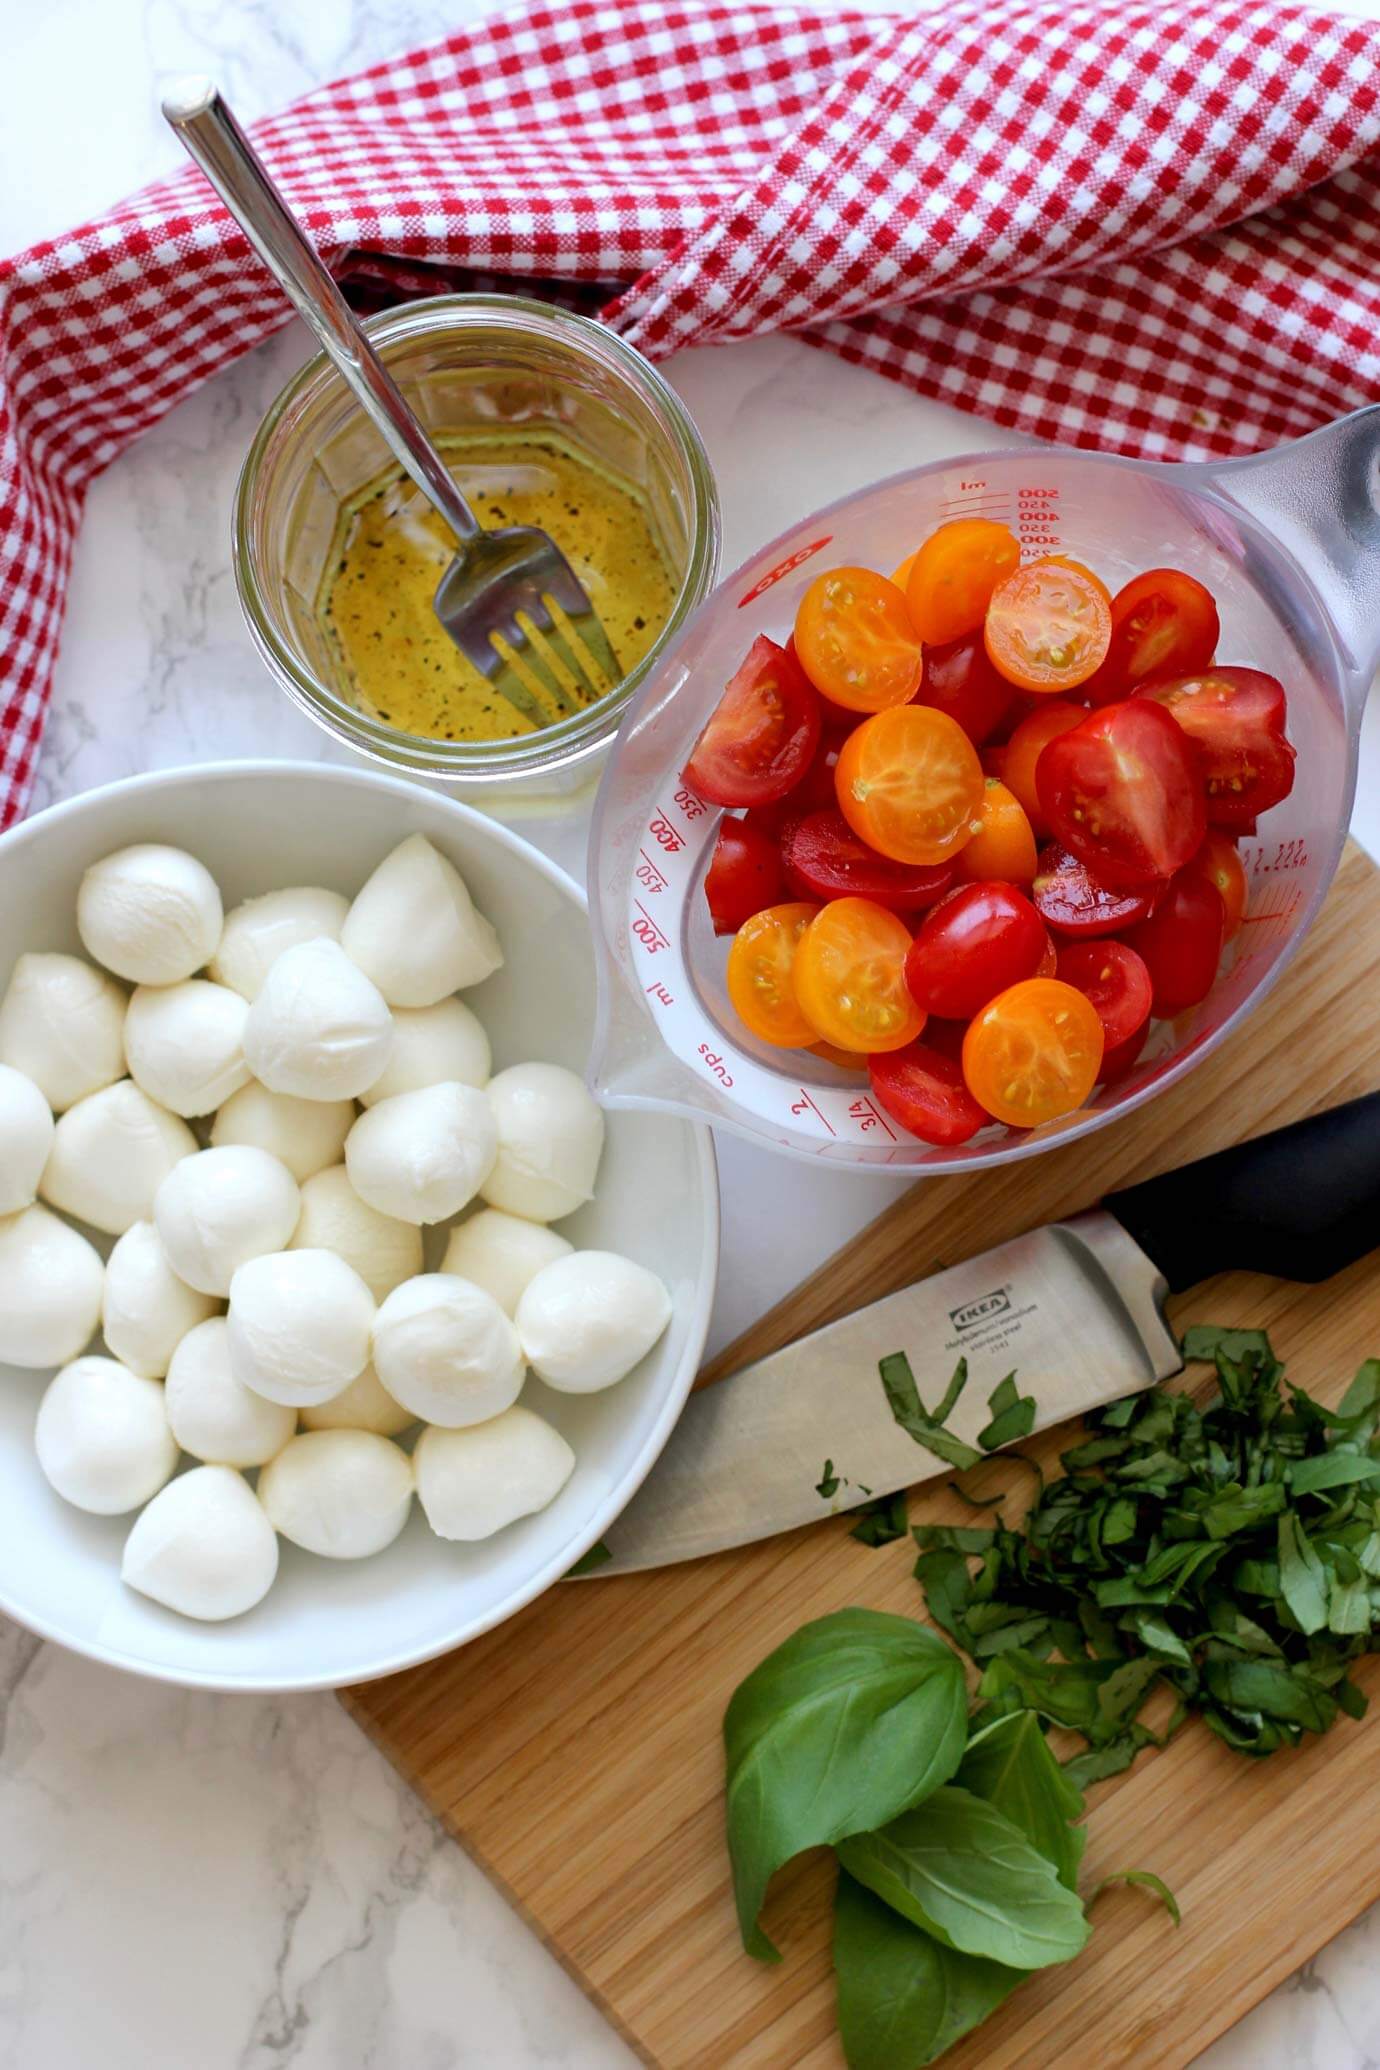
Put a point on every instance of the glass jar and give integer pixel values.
(471, 363)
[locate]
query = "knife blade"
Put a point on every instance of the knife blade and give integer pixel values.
(1075, 1308)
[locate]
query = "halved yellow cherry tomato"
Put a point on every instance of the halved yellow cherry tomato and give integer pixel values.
(760, 965)
(850, 978)
(909, 783)
(953, 574)
(1048, 626)
(1034, 1052)
(901, 576)
(855, 641)
(1004, 844)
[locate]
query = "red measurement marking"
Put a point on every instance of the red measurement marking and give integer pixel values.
(665, 835)
(782, 568)
(1288, 856)
(660, 994)
(804, 1104)
(868, 1117)
(648, 875)
(647, 931)
(690, 803)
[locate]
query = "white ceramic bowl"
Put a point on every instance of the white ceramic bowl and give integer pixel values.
(261, 824)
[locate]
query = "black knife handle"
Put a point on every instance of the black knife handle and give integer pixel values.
(1299, 1203)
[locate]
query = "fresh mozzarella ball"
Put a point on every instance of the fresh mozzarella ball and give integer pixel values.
(550, 1136)
(146, 1310)
(110, 1154)
(213, 1415)
(62, 1024)
(26, 1137)
(586, 1320)
(305, 1135)
(299, 1326)
(102, 1437)
(256, 933)
(422, 1155)
(365, 1404)
(446, 1350)
(50, 1289)
(185, 1044)
(502, 1254)
(473, 1482)
(318, 1028)
(203, 1546)
(383, 1251)
(150, 914)
(341, 1493)
(415, 931)
(222, 1207)
(433, 1045)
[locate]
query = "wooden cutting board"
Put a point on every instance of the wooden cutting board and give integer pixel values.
(576, 1754)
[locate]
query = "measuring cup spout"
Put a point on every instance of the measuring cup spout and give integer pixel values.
(1320, 497)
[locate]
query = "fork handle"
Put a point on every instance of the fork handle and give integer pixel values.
(220, 147)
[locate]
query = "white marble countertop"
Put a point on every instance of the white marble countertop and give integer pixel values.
(198, 1883)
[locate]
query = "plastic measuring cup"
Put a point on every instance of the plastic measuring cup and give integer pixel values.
(1289, 544)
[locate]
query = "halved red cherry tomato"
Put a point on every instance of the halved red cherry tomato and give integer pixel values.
(1122, 793)
(763, 732)
(1004, 845)
(1219, 862)
(1069, 898)
(1235, 719)
(761, 964)
(946, 1037)
(1118, 1063)
(813, 793)
(1048, 625)
(744, 875)
(1020, 757)
(1116, 980)
(825, 859)
(1164, 623)
(960, 680)
(1181, 943)
(850, 978)
(978, 941)
(1033, 1052)
(909, 783)
(925, 1091)
(952, 575)
(855, 640)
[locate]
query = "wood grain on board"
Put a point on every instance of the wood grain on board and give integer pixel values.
(575, 1752)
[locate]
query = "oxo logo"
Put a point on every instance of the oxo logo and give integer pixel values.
(795, 560)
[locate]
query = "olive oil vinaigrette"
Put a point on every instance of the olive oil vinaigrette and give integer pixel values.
(391, 549)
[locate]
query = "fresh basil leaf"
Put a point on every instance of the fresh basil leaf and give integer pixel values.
(958, 1868)
(1204, 1343)
(1348, 1606)
(1010, 1765)
(958, 1380)
(1331, 1470)
(1065, 1692)
(1146, 1881)
(827, 1486)
(1272, 1691)
(963, 1538)
(1083, 1770)
(1012, 1418)
(948, 1587)
(588, 1562)
(855, 1718)
(910, 1412)
(1302, 1582)
(904, 1998)
(882, 1522)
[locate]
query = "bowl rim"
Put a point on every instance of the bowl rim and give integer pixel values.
(1197, 478)
(14, 839)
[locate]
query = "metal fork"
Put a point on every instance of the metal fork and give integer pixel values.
(498, 579)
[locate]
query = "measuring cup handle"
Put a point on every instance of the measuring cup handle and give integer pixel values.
(1320, 498)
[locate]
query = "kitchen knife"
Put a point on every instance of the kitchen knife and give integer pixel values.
(1076, 1308)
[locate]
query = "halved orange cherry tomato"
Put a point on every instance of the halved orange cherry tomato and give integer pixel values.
(841, 1059)
(953, 574)
(901, 576)
(855, 641)
(1024, 749)
(1048, 625)
(762, 734)
(909, 783)
(1033, 1053)
(1218, 861)
(1164, 623)
(1004, 844)
(850, 978)
(760, 967)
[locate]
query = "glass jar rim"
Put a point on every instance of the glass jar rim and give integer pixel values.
(571, 740)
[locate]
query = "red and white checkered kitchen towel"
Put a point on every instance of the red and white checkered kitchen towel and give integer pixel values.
(1150, 228)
